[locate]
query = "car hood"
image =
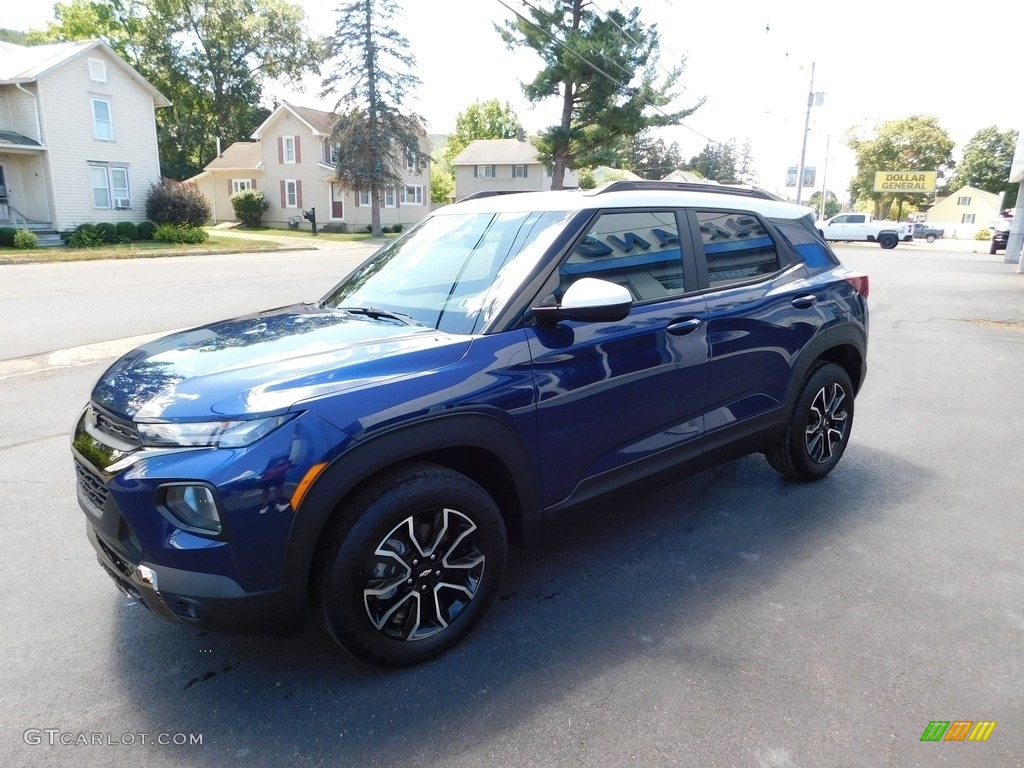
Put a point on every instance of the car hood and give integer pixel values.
(267, 362)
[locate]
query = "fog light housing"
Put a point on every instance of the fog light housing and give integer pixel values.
(195, 506)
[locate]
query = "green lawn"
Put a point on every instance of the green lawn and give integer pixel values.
(138, 250)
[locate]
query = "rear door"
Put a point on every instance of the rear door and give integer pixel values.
(763, 308)
(611, 394)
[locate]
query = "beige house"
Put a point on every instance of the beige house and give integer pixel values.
(292, 162)
(965, 212)
(502, 165)
(77, 136)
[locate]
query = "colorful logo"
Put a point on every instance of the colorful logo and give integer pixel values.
(958, 730)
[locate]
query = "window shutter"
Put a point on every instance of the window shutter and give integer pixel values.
(494, 172)
(253, 182)
(355, 193)
(298, 184)
(298, 157)
(231, 187)
(280, 150)
(526, 170)
(284, 196)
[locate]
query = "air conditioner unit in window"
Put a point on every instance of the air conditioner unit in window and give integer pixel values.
(122, 202)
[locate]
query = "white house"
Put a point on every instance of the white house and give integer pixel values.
(292, 161)
(502, 165)
(77, 136)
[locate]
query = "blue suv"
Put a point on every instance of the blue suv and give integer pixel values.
(507, 359)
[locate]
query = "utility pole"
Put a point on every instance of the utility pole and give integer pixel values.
(803, 147)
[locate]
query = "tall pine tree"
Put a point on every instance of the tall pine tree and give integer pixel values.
(371, 74)
(603, 70)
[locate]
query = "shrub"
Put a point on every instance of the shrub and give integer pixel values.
(108, 232)
(24, 238)
(175, 202)
(397, 228)
(127, 231)
(173, 233)
(85, 236)
(7, 236)
(983, 234)
(249, 206)
(146, 230)
(369, 227)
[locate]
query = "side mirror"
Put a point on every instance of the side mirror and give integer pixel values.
(590, 300)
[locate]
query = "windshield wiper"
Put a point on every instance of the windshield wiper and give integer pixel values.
(378, 314)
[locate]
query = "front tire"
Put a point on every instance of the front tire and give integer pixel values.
(819, 427)
(410, 566)
(930, 238)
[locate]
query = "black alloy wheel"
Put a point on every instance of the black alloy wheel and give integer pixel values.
(819, 427)
(410, 565)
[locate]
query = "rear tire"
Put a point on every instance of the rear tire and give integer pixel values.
(888, 241)
(410, 566)
(819, 427)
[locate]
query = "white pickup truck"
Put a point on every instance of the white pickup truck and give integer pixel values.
(863, 227)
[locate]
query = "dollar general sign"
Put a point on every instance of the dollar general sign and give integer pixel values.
(905, 181)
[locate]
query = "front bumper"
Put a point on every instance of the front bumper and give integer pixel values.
(204, 600)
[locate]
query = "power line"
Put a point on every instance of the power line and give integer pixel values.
(634, 41)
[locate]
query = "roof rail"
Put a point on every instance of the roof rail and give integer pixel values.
(685, 186)
(489, 193)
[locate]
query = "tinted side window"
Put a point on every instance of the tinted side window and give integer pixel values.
(736, 246)
(840, 219)
(857, 218)
(636, 249)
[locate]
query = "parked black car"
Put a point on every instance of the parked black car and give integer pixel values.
(1000, 234)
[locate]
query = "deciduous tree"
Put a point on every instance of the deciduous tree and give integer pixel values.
(986, 164)
(603, 70)
(916, 143)
(211, 58)
(482, 120)
(371, 75)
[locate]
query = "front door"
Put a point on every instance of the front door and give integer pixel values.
(337, 206)
(612, 393)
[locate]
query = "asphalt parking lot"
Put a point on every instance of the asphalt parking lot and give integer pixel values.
(731, 619)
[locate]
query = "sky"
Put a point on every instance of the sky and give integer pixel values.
(751, 63)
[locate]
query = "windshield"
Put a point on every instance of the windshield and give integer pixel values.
(452, 272)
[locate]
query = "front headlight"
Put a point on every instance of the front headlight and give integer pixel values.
(205, 434)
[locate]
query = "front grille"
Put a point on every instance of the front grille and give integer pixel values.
(121, 429)
(91, 486)
(126, 569)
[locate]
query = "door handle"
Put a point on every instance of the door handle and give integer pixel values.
(683, 327)
(805, 302)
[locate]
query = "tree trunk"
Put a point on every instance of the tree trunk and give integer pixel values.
(561, 153)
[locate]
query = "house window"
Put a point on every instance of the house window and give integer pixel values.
(332, 154)
(237, 185)
(363, 198)
(410, 161)
(963, 201)
(967, 218)
(484, 172)
(412, 195)
(97, 70)
(110, 187)
(288, 149)
(103, 125)
(518, 171)
(291, 193)
(389, 197)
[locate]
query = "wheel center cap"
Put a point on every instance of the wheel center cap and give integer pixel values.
(424, 573)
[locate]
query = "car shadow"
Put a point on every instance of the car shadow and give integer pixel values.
(614, 584)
